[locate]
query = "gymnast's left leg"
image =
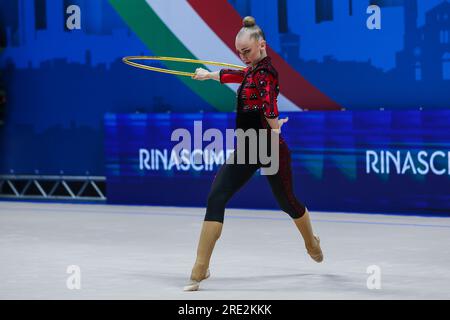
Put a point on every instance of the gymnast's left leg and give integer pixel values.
(282, 188)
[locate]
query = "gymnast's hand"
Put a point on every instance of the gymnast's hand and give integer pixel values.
(201, 74)
(280, 124)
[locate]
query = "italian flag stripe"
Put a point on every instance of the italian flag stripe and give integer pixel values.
(226, 22)
(196, 29)
(141, 18)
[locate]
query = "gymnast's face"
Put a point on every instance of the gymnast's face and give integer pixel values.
(250, 50)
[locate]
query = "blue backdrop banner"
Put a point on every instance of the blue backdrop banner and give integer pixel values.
(61, 65)
(360, 161)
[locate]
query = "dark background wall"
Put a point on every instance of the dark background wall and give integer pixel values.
(60, 83)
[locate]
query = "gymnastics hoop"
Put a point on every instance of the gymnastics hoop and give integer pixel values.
(128, 60)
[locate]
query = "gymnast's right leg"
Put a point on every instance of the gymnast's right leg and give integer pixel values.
(229, 179)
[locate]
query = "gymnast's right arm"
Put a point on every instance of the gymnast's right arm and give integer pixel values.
(223, 76)
(203, 74)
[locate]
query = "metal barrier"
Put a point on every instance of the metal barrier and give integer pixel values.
(53, 187)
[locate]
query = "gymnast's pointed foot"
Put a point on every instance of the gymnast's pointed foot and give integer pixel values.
(210, 233)
(315, 251)
(194, 285)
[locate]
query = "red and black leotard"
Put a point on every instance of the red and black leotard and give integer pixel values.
(256, 100)
(257, 94)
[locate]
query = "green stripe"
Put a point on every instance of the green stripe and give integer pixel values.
(159, 39)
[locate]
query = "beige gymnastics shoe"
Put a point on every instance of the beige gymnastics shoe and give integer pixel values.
(194, 285)
(316, 252)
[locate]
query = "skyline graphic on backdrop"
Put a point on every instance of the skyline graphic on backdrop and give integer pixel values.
(411, 53)
(74, 77)
(290, 27)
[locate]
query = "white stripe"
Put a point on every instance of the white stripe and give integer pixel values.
(200, 40)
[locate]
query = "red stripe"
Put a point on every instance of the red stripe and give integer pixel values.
(225, 21)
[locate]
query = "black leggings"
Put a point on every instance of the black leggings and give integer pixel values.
(231, 177)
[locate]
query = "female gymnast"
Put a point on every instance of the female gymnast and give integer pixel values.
(256, 109)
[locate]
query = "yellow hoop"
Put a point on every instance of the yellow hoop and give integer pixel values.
(128, 61)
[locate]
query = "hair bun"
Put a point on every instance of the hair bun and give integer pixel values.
(249, 22)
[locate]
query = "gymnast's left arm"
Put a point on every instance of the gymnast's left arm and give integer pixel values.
(266, 84)
(276, 123)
